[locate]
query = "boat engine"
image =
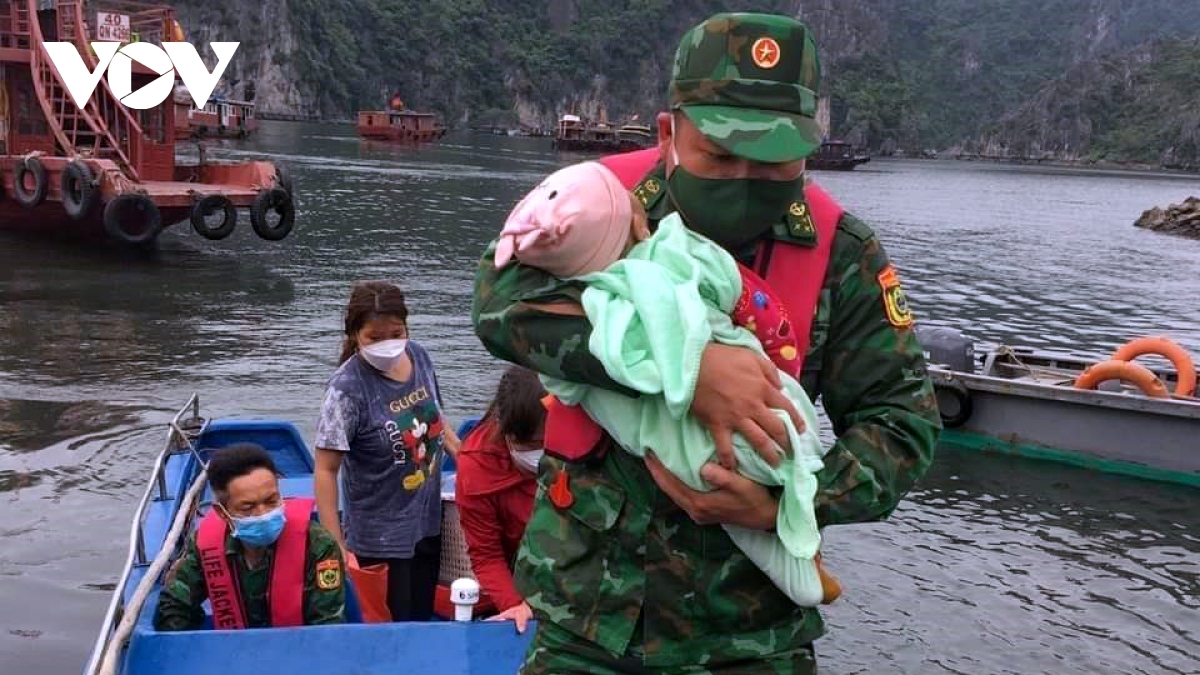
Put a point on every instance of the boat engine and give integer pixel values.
(947, 347)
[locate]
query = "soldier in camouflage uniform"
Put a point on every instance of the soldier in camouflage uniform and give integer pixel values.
(632, 576)
(184, 588)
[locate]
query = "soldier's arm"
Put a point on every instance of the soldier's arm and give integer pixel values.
(183, 591)
(324, 579)
(875, 389)
(525, 316)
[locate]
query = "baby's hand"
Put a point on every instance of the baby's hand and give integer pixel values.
(640, 227)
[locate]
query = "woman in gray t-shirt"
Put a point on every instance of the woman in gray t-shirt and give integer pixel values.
(381, 425)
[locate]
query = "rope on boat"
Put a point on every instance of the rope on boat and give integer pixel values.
(134, 608)
(1005, 350)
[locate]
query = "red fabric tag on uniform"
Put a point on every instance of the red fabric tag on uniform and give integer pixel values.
(560, 492)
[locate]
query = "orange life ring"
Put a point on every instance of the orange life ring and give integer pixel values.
(1185, 367)
(1126, 371)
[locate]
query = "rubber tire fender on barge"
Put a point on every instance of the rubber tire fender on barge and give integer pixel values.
(962, 405)
(27, 198)
(277, 200)
(283, 178)
(118, 210)
(79, 190)
(207, 206)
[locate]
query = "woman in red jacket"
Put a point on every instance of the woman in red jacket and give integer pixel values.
(496, 484)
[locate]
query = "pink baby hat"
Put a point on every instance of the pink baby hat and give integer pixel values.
(576, 222)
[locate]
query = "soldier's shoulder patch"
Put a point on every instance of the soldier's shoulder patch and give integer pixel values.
(329, 575)
(800, 222)
(648, 192)
(895, 304)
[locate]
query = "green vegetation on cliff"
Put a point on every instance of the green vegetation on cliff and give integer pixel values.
(464, 57)
(1156, 117)
(1137, 106)
(910, 74)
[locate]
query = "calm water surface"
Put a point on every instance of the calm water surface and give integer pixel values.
(992, 566)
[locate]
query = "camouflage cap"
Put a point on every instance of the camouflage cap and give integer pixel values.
(749, 82)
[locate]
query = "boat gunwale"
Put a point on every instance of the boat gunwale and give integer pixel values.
(157, 483)
(1174, 407)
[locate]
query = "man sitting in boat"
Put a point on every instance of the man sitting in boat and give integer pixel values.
(259, 559)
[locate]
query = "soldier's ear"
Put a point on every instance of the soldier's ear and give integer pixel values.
(219, 507)
(665, 130)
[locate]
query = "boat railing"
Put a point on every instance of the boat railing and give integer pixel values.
(14, 25)
(181, 435)
(122, 121)
(103, 118)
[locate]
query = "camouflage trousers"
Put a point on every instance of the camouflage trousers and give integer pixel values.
(555, 651)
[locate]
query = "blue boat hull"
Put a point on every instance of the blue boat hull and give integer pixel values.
(414, 648)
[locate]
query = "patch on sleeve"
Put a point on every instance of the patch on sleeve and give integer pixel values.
(648, 192)
(800, 223)
(895, 304)
(329, 575)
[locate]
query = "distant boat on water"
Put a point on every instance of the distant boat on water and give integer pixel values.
(574, 134)
(398, 123)
(836, 156)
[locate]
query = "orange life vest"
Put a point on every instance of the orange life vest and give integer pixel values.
(286, 590)
(795, 273)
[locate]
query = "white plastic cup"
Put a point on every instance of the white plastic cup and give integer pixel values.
(464, 593)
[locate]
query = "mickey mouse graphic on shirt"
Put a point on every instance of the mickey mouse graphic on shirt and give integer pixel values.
(415, 434)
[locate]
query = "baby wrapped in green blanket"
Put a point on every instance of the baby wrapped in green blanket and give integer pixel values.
(654, 302)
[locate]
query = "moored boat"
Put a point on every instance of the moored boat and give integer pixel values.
(1115, 415)
(219, 118)
(836, 156)
(176, 499)
(398, 123)
(633, 136)
(107, 169)
(574, 134)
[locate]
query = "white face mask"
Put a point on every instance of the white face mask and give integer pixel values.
(527, 460)
(384, 356)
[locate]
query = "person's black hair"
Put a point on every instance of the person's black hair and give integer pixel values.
(518, 404)
(236, 460)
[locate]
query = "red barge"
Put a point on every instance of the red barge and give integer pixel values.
(106, 168)
(220, 118)
(397, 123)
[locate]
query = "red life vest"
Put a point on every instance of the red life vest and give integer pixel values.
(796, 274)
(286, 589)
